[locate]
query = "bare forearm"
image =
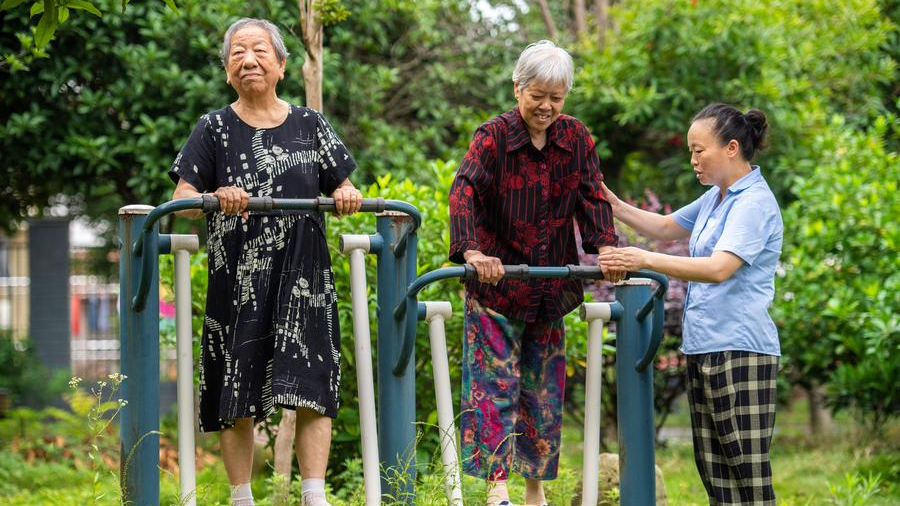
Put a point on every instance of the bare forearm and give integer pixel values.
(652, 225)
(184, 191)
(702, 269)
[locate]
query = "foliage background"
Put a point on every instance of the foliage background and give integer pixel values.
(96, 125)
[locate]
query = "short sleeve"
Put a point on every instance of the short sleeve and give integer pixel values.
(196, 161)
(687, 215)
(748, 228)
(335, 162)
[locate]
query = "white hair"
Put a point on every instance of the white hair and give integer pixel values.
(277, 42)
(544, 61)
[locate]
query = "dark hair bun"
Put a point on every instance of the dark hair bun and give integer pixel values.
(759, 127)
(729, 123)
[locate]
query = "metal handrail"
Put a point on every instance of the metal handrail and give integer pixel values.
(408, 307)
(209, 203)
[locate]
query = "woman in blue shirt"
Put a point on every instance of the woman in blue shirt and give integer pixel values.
(731, 343)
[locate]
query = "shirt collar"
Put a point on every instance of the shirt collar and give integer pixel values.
(518, 134)
(754, 176)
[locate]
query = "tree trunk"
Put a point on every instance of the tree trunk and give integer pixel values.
(819, 416)
(312, 33)
(580, 15)
(602, 7)
(548, 19)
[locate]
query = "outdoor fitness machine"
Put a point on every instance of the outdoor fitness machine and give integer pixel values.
(387, 441)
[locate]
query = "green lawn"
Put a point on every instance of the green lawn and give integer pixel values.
(804, 470)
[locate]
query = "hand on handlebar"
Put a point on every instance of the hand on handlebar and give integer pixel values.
(489, 269)
(233, 200)
(612, 271)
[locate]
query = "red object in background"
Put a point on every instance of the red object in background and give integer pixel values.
(166, 309)
(75, 315)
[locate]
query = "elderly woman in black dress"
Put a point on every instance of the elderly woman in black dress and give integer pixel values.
(270, 336)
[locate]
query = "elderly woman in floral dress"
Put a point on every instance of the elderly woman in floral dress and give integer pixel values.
(528, 174)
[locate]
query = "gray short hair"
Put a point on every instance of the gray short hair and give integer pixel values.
(270, 28)
(544, 61)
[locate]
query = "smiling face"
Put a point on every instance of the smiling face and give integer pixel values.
(540, 104)
(709, 157)
(253, 68)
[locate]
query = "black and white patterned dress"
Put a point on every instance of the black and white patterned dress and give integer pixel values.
(270, 336)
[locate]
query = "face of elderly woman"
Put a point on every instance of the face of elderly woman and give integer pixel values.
(540, 104)
(253, 68)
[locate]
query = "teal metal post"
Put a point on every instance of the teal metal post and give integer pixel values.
(139, 361)
(635, 398)
(396, 391)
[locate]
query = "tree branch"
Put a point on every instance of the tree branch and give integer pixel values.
(548, 19)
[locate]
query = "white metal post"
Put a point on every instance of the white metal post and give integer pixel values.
(182, 247)
(595, 313)
(358, 246)
(435, 314)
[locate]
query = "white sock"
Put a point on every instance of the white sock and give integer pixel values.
(313, 492)
(497, 492)
(241, 495)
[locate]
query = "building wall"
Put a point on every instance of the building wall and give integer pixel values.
(48, 257)
(14, 283)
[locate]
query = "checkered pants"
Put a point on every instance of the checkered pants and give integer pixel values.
(732, 400)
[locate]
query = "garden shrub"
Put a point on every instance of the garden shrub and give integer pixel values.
(836, 306)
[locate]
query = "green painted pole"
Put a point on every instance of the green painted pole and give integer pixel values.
(634, 396)
(396, 389)
(139, 362)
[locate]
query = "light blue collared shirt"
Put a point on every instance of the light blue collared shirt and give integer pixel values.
(734, 314)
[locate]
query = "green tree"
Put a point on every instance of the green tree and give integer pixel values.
(52, 13)
(837, 308)
(666, 60)
(101, 121)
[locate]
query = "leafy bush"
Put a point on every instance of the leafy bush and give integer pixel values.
(837, 310)
(856, 490)
(24, 377)
(433, 245)
(669, 373)
(668, 59)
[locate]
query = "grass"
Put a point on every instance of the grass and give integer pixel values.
(804, 468)
(807, 472)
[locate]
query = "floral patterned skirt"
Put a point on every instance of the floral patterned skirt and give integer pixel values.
(513, 383)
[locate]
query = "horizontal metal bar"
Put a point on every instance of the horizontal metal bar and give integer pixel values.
(409, 305)
(209, 203)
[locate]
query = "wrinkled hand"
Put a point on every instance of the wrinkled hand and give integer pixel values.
(623, 259)
(347, 200)
(613, 200)
(611, 274)
(233, 200)
(489, 269)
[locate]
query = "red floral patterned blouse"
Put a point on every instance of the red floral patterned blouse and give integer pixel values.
(513, 201)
